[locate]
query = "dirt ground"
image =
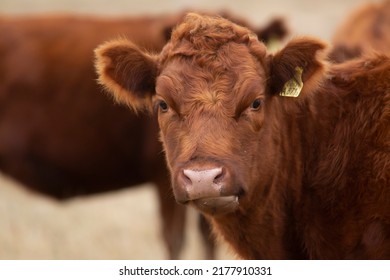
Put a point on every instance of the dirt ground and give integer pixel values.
(118, 225)
(125, 224)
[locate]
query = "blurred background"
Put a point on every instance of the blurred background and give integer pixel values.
(125, 223)
(318, 18)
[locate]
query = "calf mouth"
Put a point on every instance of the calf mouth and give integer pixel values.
(216, 205)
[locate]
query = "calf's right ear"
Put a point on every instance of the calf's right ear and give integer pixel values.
(128, 73)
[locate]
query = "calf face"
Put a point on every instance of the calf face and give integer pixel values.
(213, 87)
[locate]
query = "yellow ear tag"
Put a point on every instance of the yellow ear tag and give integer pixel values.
(293, 87)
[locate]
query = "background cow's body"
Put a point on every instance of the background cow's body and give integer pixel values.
(280, 177)
(57, 133)
(364, 31)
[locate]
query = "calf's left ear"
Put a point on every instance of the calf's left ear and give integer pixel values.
(127, 73)
(298, 68)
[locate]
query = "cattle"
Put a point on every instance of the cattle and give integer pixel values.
(287, 155)
(59, 135)
(365, 30)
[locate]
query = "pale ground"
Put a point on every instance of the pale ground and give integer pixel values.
(125, 224)
(117, 225)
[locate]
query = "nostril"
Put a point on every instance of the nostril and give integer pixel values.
(185, 178)
(219, 177)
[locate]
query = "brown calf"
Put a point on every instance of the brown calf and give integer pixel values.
(366, 30)
(59, 135)
(279, 177)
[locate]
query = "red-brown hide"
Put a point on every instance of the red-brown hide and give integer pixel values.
(279, 177)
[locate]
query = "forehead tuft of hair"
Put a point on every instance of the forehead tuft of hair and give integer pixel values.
(207, 34)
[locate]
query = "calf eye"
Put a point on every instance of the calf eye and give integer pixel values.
(163, 106)
(256, 104)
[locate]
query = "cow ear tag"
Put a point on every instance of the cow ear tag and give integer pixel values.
(293, 87)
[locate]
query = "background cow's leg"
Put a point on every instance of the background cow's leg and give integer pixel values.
(173, 220)
(207, 236)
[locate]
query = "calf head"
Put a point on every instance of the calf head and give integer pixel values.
(214, 87)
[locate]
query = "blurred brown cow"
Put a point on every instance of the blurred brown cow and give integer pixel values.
(59, 135)
(366, 30)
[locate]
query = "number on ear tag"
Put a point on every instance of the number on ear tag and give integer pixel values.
(293, 87)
